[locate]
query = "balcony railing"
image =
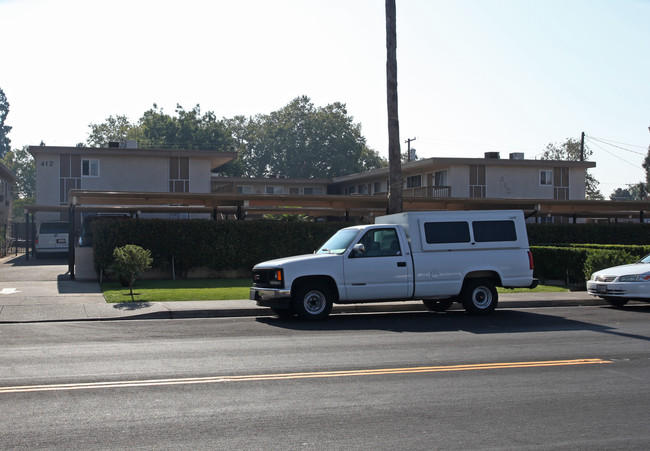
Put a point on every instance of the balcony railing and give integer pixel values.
(427, 191)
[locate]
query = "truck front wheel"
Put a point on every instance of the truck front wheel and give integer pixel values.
(479, 296)
(312, 301)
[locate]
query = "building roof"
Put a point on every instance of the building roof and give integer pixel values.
(434, 162)
(217, 158)
(337, 205)
(7, 174)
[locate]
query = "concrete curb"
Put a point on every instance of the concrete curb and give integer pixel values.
(246, 308)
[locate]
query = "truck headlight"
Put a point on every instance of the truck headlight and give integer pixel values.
(276, 278)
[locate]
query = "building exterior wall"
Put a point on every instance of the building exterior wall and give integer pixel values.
(241, 185)
(114, 170)
(504, 179)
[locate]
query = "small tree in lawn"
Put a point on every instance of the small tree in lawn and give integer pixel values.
(131, 260)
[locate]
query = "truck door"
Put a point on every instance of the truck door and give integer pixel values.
(381, 271)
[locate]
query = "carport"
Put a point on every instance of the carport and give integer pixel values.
(223, 205)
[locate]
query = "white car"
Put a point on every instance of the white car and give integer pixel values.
(619, 284)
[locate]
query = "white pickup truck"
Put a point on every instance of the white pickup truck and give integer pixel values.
(437, 257)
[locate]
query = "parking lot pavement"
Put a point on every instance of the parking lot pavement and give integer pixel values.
(38, 290)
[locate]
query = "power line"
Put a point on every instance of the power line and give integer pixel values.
(614, 155)
(609, 143)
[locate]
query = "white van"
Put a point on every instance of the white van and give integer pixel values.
(52, 237)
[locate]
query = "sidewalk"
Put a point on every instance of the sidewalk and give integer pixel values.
(41, 291)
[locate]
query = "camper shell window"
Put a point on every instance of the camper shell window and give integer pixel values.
(489, 231)
(446, 232)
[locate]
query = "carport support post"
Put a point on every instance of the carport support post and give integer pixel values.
(641, 216)
(26, 235)
(71, 240)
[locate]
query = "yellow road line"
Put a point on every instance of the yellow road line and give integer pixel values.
(281, 376)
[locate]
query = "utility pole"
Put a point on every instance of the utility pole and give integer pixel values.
(582, 147)
(395, 204)
(408, 151)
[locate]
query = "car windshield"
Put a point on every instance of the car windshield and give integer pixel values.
(339, 242)
(645, 259)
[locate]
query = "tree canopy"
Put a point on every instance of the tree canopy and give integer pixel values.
(188, 129)
(5, 142)
(21, 163)
(570, 150)
(301, 140)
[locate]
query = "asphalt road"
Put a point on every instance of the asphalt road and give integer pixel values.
(544, 378)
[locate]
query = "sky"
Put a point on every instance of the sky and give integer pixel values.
(474, 76)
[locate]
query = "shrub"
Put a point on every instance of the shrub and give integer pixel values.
(131, 261)
(598, 259)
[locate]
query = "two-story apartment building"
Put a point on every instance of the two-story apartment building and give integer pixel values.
(490, 177)
(119, 168)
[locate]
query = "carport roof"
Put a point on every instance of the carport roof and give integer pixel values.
(333, 205)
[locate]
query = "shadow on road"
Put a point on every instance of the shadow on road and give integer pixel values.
(42, 260)
(501, 321)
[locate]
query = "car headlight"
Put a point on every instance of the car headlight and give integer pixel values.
(635, 278)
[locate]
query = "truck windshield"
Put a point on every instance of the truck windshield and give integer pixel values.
(339, 242)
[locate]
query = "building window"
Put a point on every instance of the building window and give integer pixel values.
(318, 190)
(245, 189)
(440, 178)
(377, 187)
(69, 175)
(352, 190)
(363, 189)
(476, 180)
(414, 181)
(546, 178)
(560, 183)
(179, 175)
(273, 190)
(89, 168)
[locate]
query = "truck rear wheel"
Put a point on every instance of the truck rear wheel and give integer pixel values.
(312, 301)
(438, 305)
(479, 296)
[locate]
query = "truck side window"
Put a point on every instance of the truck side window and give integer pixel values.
(380, 243)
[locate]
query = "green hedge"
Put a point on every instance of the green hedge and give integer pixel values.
(573, 264)
(219, 245)
(239, 245)
(605, 233)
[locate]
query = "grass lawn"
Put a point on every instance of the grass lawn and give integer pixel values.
(213, 290)
(178, 290)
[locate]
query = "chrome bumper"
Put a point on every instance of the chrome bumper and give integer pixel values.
(271, 297)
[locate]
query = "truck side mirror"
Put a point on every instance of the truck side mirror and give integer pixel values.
(358, 250)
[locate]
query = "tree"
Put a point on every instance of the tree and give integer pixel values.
(646, 166)
(301, 140)
(5, 142)
(113, 129)
(571, 150)
(131, 261)
(21, 163)
(637, 191)
(188, 130)
(156, 129)
(395, 204)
